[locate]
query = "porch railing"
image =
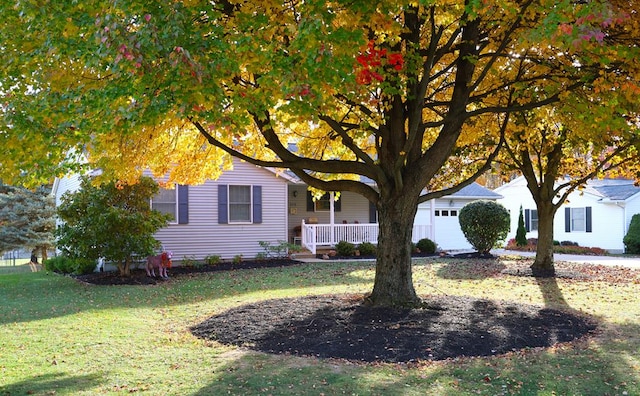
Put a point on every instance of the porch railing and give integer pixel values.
(327, 235)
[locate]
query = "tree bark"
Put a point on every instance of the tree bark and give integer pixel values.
(393, 284)
(124, 267)
(543, 264)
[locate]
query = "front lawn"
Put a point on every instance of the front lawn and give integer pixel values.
(60, 336)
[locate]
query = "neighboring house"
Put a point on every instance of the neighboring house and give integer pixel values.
(231, 215)
(596, 216)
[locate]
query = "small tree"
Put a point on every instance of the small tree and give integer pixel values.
(521, 232)
(632, 239)
(27, 219)
(111, 221)
(484, 223)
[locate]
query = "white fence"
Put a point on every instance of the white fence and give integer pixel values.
(327, 235)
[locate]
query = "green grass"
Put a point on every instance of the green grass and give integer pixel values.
(58, 336)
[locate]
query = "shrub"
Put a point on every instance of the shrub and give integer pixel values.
(84, 266)
(344, 248)
(426, 245)
(484, 224)
(60, 264)
(568, 243)
(367, 249)
(521, 232)
(212, 259)
(189, 261)
(632, 239)
(281, 250)
(110, 220)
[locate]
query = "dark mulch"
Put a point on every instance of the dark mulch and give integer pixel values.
(139, 275)
(342, 327)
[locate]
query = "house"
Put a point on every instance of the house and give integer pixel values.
(225, 217)
(229, 216)
(596, 216)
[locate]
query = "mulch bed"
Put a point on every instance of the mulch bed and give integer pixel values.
(341, 327)
(139, 275)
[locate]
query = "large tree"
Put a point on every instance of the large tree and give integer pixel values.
(402, 94)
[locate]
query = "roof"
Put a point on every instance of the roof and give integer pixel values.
(475, 190)
(604, 190)
(612, 189)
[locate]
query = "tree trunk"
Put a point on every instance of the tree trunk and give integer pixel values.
(543, 264)
(393, 284)
(45, 256)
(125, 267)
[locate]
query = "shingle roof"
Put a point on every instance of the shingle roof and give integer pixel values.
(475, 190)
(613, 189)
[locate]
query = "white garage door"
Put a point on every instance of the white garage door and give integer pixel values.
(448, 233)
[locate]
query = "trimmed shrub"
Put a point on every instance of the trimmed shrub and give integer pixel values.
(344, 248)
(632, 239)
(367, 249)
(426, 245)
(484, 224)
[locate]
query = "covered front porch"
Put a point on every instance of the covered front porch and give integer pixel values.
(314, 236)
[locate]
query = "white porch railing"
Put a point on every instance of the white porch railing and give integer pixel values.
(327, 235)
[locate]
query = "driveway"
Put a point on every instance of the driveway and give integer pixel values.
(631, 262)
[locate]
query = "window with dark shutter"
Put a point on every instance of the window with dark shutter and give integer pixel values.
(239, 204)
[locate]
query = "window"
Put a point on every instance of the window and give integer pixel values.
(453, 213)
(323, 204)
(166, 201)
(577, 219)
(531, 219)
(445, 213)
(239, 204)
(437, 213)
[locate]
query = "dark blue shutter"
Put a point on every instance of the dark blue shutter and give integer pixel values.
(223, 202)
(337, 205)
(257, 204)
(588, 218)
(310, 206)
(567, 219)
(183, 204)
(527, 220)
(373, 213)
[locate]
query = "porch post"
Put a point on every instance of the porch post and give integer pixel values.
(332, 218)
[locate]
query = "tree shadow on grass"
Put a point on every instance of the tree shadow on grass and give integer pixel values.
(50, 384)
(580, 369)
(45, 295)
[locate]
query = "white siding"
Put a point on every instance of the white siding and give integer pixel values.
(204, 236)
(70, 183)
